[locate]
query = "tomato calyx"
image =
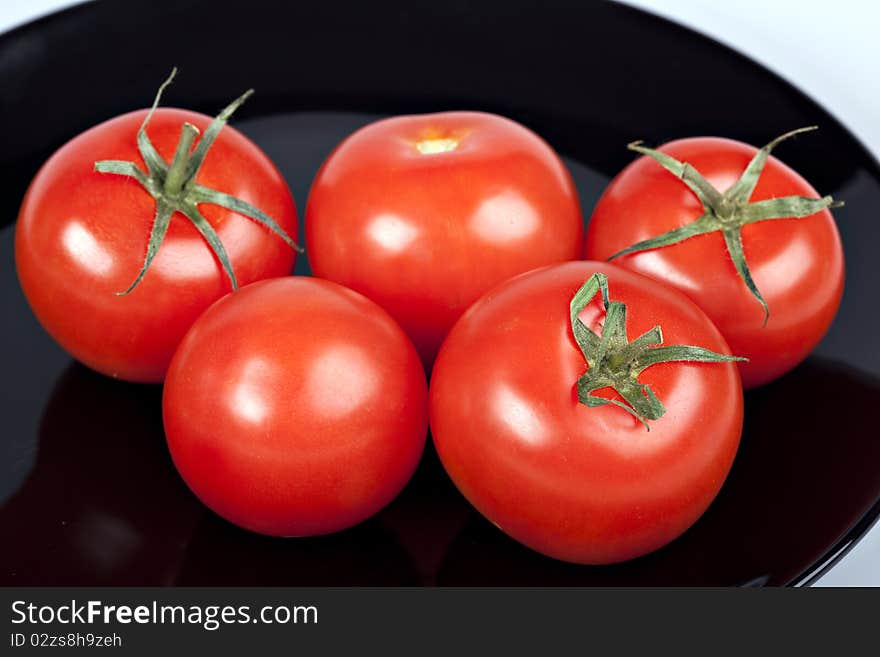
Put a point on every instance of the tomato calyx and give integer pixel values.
(175, 189)
(729, 211)
(615, 362)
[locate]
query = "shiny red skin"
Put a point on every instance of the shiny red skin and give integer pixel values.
(586, 485)
(797, 264)
(425, 235)
(295, 407)
(82, 236)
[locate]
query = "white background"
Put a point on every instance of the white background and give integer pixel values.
(829, 49)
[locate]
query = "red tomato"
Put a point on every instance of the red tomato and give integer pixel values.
(295, 407)
(587, 485)
(82, 237)
(423, 214)
(796, 263)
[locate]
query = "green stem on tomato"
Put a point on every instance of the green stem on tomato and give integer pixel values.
(728, 212)
(615, 362)
(175, 178)
(175, 189)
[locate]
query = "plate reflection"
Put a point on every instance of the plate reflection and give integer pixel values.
(104, 505)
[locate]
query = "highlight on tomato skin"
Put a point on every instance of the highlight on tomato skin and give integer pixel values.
(767, 266)
(425, 213)
(295, 407)
(117, 260)
(578, 483)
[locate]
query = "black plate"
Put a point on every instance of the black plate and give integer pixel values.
(89, 493)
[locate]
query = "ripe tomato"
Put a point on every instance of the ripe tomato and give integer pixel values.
(796, 263)
(82, 236)
(423, 214)
(295, 407)
(518, 418)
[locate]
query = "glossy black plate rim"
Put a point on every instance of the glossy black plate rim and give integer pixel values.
(859, 529)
